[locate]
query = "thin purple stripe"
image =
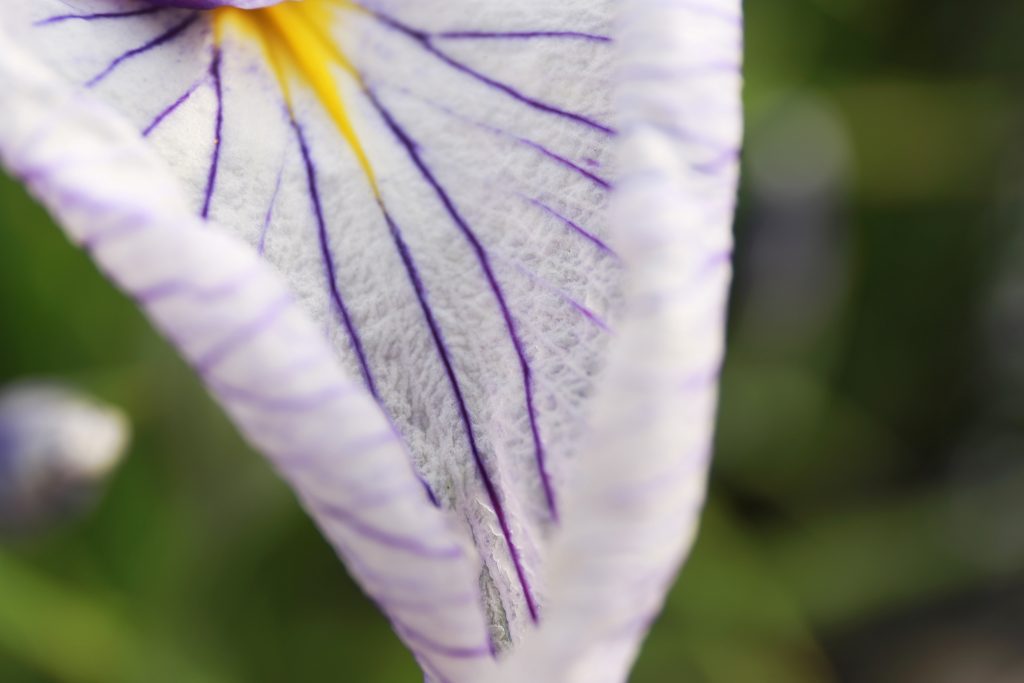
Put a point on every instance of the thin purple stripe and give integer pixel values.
(355, 448)
(453, 381)
(261, 247)
(590, 175)
(325, 252)
(211, 179)
(371, 533)
(453, 652)
(411, 148)
(162, 39)
(561, 294)
(98, 16)
(575, 227)
(242, 335)
(424, 39)
(536, 146)
(291, 404)
(172, 108)
(182, 287)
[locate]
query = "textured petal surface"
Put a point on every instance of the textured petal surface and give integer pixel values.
(433, 180)
(267, 362)
(632, 514)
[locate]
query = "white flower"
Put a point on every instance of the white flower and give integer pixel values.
(457, 268)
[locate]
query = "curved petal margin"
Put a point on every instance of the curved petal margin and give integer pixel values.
(263, 358)
(633, 515)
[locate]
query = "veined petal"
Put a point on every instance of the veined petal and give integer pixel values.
(433, 181)
(259, 352)
(632, 514)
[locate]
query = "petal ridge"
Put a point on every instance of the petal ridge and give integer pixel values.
(233, 318)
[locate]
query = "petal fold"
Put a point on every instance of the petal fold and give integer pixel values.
(432, 180)
(633, 515)
(258, 351)
(465, 222)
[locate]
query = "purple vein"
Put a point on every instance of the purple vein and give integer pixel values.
(589, 175)
(413, 149)
(183, 287)
(424, 40)
(454, 652)
(353, 449)
(413, 152)
(173, 107)
(98, 16)
(575, 227)
(427, 604)
(298, 403)
(242, 335)
(328, 259)
(532, 144)
(561, 294)
(406, 583)
(211, 179)
(162, 39)
(261, 247)
(435, 331)
(362, 528)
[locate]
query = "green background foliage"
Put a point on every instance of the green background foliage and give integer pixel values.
(868, 486)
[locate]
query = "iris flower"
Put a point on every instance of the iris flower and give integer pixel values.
(457, 268)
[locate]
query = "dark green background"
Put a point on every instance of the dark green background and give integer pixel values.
(867, 498)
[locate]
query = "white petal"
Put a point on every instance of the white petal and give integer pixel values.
(475, 298)
(632, 518)
(262, 356)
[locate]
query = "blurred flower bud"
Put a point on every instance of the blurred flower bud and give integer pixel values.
(57, 447)
(794, 268)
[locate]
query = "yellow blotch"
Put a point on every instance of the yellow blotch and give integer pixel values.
(298, 46)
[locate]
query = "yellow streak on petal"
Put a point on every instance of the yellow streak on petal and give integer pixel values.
(295, 43)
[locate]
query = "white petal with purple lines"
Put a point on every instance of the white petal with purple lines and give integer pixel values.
(435, 183)
(235, 320)
(474, 295)
(632, 513)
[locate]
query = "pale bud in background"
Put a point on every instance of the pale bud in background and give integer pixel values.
(57, 447)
